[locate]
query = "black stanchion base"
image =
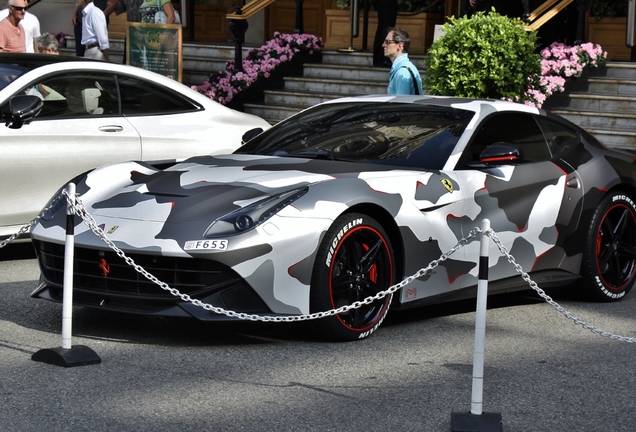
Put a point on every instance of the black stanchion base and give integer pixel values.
(467, 422)
(78, 355)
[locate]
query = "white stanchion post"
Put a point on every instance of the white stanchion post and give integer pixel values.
(480, 323)
(68, 355)
(69, 247)
(476, 420)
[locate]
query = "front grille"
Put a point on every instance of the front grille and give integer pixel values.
(124, 288)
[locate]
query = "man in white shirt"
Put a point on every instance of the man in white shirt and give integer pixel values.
(94, 31)
(31, 26)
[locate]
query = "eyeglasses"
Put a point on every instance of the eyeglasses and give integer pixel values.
(18, 8)
(389, 42)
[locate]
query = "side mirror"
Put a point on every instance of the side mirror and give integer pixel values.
(250, 134)
(23, 109)
(501, 153)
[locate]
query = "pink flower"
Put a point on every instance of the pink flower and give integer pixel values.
(560, 62)
(258, 64)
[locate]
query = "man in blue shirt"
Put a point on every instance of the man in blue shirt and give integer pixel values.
(404, 78)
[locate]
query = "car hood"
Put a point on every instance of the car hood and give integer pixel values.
(202, 189)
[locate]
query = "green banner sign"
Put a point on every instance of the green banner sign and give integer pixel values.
(155, 47)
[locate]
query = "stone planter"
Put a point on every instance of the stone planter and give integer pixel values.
(599, 71)
(420, 28)
(610, 34)
(572, 85)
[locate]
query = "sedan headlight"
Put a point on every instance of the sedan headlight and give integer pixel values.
(253, 215)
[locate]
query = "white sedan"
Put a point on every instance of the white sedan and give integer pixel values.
(96, 113)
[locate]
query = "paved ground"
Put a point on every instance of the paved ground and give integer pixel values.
(542, 372)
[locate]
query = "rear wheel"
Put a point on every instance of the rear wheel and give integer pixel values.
(354, 261)
(609, 258)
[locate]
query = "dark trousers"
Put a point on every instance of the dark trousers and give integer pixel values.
(387, 16)
(79, 48)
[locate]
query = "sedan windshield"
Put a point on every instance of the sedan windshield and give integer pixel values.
(407, 135)
(10, 72)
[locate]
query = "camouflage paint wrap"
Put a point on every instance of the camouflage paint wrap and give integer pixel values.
(538, 210)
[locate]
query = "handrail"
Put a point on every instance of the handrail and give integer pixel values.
(545, 12)
(249, 9)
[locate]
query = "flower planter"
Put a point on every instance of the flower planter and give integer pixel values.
(574, 85)
(557, 100)
(255, 93)
(420, 28)
(599, 71)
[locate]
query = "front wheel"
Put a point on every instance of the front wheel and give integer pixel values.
(354, 261)
(609, 257)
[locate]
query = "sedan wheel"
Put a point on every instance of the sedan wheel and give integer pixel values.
(355, 261)
(609, 262)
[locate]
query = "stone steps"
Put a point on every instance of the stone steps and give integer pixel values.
(340, 74)
(607, 109)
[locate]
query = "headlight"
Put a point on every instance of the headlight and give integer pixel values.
(253, 215)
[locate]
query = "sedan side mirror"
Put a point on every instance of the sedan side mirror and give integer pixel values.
(501, 153)
(23, 109)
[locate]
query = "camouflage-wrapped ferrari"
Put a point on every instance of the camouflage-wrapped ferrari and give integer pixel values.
(347, 198)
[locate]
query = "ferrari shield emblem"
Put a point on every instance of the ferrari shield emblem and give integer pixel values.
(447, 184)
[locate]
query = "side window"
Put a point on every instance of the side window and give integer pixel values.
(519, 129)
(145, 98)
(77, 94)
(561, 139)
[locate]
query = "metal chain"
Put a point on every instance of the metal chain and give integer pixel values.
(90, 222)
(25, 229)
(79, 209)
(578, 321)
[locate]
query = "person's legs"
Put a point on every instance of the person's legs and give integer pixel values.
(387, 16)
(79, 48)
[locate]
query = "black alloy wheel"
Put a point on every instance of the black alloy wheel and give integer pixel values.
(609, 259)
(355, 261)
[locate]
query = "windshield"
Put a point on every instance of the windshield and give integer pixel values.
(9, 72)
(408, 135)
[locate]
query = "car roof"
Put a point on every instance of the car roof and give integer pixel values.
(471, 104)
(38, 59)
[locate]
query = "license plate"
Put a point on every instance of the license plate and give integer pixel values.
(218, 245)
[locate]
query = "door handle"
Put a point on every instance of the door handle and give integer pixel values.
(111, 128)
(573, 182)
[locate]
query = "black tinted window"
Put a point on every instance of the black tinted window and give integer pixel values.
(560, 138)
(143, 98)
(409, 135)
(519, 129)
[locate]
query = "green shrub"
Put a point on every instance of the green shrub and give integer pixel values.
(485, 56)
